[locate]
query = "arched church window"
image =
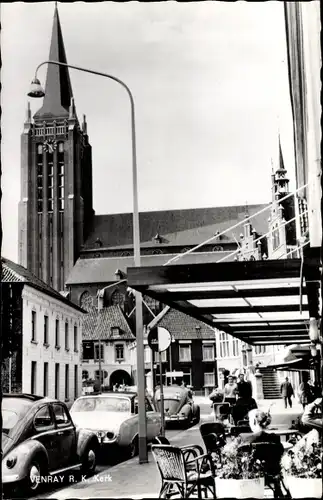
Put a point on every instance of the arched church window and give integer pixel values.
(39, 178)
(50, 180)
(86, 301)
(157, 252)
(217, 248)
(126, 254)
(117, 298)
(186, 249)
(60, 170)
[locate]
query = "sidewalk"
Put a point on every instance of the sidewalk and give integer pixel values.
(131, 480)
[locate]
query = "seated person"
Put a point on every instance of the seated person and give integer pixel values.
(259, 421)
(242, 407)
(312, 416)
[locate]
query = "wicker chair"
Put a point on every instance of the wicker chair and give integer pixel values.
(190, 451)
(178, 478)
(213, 435)
(270, 455)
(235, 430)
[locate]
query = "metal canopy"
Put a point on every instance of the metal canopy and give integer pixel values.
(259, 302)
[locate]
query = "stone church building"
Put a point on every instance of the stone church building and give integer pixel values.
(71, 248)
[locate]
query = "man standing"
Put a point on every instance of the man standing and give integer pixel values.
(244, 387)
(287, 391)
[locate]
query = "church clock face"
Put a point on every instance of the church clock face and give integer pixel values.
(50, 145)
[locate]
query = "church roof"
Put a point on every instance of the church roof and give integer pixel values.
(175, 227)
(98, 325)
(58, 90)
(102, 270)
(14, 273)
(184, 327)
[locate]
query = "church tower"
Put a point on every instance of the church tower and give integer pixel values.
(56, 204)
(283, 236)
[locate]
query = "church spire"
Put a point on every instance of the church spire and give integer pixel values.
(58, 90)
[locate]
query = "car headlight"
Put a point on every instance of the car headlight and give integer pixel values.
(11, 462)
(110, 435)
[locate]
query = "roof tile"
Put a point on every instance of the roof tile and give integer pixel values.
(97, 325)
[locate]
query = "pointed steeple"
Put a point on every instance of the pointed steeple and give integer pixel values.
(281, 166)
(281, 181)
(58, 90)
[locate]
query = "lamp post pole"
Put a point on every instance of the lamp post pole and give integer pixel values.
(37, 91)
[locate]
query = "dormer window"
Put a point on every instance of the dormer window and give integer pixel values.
(115, 331)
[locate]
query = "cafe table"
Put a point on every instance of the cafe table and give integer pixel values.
(287, 433)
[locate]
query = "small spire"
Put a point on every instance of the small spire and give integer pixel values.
(84, 125)
(28, 114)
(246, 210)
(72, 112)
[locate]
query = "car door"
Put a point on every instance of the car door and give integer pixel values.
(66, 435)
(45, 432)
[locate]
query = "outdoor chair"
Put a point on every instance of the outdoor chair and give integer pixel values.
(177, 475)
(270, 455)
(189, 450)
(235, 430)
(213, 435)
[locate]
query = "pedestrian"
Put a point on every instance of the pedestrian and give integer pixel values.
(305, 392)
(230, 390)
(287, 391)
(245, 401)
(244, 387)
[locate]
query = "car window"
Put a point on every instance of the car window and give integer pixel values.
(105, 403)
(9, 420)
(148, 405)
(61, 416)
(43, 419)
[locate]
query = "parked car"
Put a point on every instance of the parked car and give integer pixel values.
(178, 405)
(39, 439)
(113, 416)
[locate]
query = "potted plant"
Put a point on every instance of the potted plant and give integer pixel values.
(302, 467)
(239, 474)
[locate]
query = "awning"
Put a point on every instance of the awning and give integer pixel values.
(295, 357)
(255, 301)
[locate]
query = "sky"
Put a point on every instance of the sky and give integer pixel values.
(210, 84)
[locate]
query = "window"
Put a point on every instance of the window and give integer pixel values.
(57, 380)
(275, 237)
(43, 419)
(152, 304)
(75, 339)
(50, 181)
(97, 353)
(208, 352)
(87, 350)
(184, 352)
(60, 164)
(260, 349)
(67, 381)
(57, 333)
(39, 178)
(76, 384)
(115, 331)
(209, 379)
(224, 345)
(33, 326)
(61, 417)
(45, 330)
(45, 391)
(117, 298)
(163, 356)
(147, 404)
(66, 336)
(147, 354)
(86, 301)
(235, 347)
(33, 377)
(119, 351)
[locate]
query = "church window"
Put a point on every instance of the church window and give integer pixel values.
(125, 254)
(117, 298)
(186, 249)
(39, 178)
(60, 164)
(157, 252)
(86, 301)
(50, 181)
(275, 237)
(217, 248)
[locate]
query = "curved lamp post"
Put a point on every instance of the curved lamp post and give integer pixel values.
(36, 90)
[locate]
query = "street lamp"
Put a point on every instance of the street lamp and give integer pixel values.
(36, 90)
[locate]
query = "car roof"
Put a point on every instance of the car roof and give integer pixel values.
(106, 394)
(29, 399)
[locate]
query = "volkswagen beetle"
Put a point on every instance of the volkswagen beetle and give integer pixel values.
(113, 416)
(40, 441)
(178, 405)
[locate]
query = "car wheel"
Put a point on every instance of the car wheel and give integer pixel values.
(89, 460)
(133, 448)
(32, 483)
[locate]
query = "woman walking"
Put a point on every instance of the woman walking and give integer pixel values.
(305, 393)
